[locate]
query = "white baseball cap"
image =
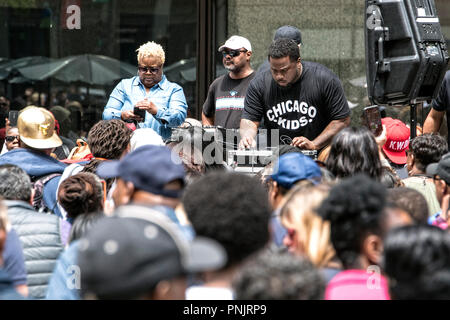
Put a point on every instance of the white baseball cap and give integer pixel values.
(236, 43)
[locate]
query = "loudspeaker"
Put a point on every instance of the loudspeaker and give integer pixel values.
(406, 54)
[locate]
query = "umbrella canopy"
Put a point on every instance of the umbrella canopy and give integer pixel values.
(87, 68)
(7, 67)
(185, 70)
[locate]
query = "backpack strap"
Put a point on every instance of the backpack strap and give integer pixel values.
(38, 187)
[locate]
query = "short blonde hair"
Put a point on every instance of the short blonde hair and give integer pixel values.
(299, 213)
(151, 49)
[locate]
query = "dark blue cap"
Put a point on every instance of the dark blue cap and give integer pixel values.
(293, 167)
(150, 168)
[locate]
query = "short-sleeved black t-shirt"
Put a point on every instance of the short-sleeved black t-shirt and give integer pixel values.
(225, 100)
(303, 109)
(442, 101)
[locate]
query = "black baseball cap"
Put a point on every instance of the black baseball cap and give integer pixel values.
(289, 32)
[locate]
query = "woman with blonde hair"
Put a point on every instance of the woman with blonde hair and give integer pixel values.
(159, 103)
(308, 234)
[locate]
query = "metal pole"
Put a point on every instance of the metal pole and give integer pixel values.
(413, 120)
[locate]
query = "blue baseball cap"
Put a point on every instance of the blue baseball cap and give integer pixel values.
(293, 167)
(150, 168)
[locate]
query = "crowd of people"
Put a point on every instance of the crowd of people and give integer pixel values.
(127, 211)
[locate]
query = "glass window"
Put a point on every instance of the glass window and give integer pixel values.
(54, 29)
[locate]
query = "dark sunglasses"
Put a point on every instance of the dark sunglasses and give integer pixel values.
(232, 53)
(11, 138)
(151, 69)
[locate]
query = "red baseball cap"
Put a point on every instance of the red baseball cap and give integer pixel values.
(397, 140)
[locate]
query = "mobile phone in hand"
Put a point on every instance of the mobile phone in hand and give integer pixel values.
(372, 120)
(139, 112)
(12, 117)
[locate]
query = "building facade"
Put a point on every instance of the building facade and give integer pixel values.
(190, 31)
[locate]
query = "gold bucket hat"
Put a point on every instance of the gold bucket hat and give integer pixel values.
(37, 128)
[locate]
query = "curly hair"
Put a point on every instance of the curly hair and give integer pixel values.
(109, 139)
(417, 262)
(231, 208)
(81, 194)
(427, 149)
(284, 47)
(278, 276)
(354, 150)
(355, 209)
(151, 49)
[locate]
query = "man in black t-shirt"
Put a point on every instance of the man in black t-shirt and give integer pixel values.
(440, 106)
(225, 101)
(305, 101)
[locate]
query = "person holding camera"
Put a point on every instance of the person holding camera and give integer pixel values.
(148, 98)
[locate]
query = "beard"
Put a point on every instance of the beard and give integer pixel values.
(285, 87)
(232, 67)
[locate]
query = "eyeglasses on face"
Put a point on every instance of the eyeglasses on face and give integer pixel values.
(152, 70)
(232, 53)
(11, 138)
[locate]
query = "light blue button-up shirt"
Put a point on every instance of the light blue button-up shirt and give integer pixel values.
(167, 96)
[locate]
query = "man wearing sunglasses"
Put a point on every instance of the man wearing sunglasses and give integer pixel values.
(303, 102)
(225, 101)
(12, 139)
(148, 98)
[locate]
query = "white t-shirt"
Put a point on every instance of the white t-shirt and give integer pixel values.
(209, 293)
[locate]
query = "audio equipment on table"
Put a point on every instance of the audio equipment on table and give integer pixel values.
(214, 139)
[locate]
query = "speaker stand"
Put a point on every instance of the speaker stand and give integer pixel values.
(413, 120)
